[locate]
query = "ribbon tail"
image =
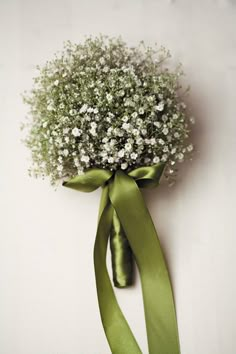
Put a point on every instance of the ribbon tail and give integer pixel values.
(159, 308)
(118, 333)
(121, 255)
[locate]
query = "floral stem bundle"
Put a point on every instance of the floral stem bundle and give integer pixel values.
(105, 115)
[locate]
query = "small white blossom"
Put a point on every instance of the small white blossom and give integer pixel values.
(133, 156)
(76, 132)
(157, 124)
(83, 109)
(164, 157)
(124, 166)
(60, 168)
(180, 156)
(121, 153)
(65, 152)
(93, 132)
(109, 97)
(165, 130)
(156, 159)
(85, 158)
(126, 126)
(160, 106)
(141, 110)
(93, 124)
(128, 146)
(152, 141)
(192, 120)
(190, 147)
(110, 159)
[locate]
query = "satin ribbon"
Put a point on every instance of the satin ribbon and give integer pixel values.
(121, 197)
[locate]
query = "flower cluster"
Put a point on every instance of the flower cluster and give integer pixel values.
(104, 104)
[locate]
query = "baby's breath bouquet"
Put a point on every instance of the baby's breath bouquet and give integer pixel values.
(106, 114)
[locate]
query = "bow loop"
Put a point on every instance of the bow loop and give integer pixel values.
(91, 180)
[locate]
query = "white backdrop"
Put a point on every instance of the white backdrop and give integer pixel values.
(48, 299)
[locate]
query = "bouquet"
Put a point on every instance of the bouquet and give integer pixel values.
(103, 114)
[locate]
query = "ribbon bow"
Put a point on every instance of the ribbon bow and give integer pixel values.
(124, 217)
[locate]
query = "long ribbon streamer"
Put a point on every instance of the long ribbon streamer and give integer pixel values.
(121, 195)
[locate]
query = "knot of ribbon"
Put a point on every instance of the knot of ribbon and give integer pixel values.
(125, 220)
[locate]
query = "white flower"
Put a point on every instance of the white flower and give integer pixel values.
(109, 97)
(65, 152)
(134, 115)
(190, 147)
(164, 157)
(93, 124)
(128, 147)
(124, 166)
(121, 153)
(76, 132)
(112, 142)
(156, 159)
(133, 156)
(139, 140)
(65, 130)
(152, 141)
(76, 162)
(157, 124)
(106, 69)
(85, 158)
(67, 139)
(93, 132)
(125, 119)
(160, 106)
(141, 110)
(110, 159)
(56, 82)
(165, 131)
(102, 60)
(161, 141)
(176, 135)
(192, 120)
(83, 108)
(45, 124)
(139, 121)
(126, 126)
(72, 112)
(173, 151)
(180, 156)
(144, 131)
(50, 107)
(60, 168)
(135, 132)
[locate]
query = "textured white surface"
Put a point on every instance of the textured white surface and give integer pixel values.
(47, 291)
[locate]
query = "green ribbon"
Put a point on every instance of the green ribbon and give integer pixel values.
(122, 207)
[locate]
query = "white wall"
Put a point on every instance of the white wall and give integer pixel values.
(48, 300)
